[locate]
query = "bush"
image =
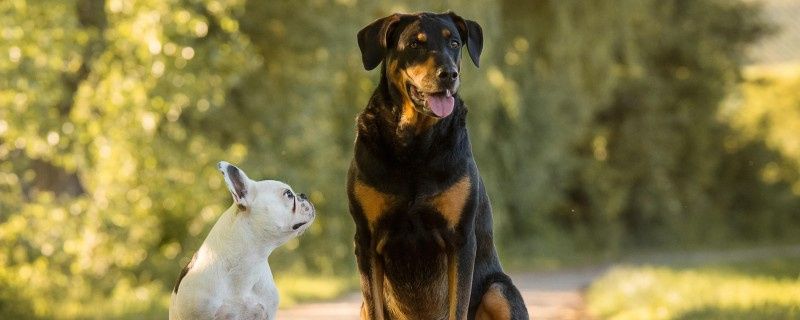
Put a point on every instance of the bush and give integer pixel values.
(14, 301)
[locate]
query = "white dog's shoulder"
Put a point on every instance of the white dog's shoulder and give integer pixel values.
(197, 294)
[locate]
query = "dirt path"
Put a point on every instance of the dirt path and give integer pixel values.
(555, 295)
(550, 295)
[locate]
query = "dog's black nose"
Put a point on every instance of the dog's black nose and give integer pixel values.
(448, 74)
(302, 196)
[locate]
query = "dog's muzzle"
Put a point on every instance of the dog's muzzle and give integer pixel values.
(306, 209)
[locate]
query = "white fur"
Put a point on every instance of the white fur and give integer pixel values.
(230, 277)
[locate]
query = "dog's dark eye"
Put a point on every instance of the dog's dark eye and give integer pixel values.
(288, 194)
(455, 44)
(414, 44)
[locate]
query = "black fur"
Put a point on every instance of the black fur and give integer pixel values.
(375, 50)
(412, 166)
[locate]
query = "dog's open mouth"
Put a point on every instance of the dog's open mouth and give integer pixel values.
(440, 104)
(298, 225)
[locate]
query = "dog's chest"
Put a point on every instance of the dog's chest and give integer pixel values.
(413, 233)
(213, 289)
(413, 255)
(259, 303)
(416, 288)
(442, 209)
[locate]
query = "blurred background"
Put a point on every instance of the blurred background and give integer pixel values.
(603, 129)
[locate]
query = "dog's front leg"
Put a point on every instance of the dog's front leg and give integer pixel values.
(460, 264)
(371, 269)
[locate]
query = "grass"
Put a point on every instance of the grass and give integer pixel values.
(152, 301)
(763, 289)
(296, 289)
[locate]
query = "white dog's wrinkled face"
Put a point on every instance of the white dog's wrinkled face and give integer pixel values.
(274, 211)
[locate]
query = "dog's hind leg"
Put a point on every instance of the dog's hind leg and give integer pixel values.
(501, 300)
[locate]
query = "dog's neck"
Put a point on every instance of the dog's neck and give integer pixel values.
(242, 254)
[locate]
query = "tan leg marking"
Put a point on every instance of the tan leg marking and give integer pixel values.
(452, 286)
(494, 305)
(381, 244)
(364, 315)
(450, 203)
(374, 204)
(377, 288)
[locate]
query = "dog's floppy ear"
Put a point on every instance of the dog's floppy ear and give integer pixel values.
(373, 40)
(238, 183)
(472, 34)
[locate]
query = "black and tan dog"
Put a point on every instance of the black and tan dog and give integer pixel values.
(423, 220)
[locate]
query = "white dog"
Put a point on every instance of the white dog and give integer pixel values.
(228, 277)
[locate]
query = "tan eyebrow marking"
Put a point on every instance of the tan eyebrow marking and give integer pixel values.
(422, 37)
(446, 33)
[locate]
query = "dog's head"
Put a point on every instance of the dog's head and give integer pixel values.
(271, 208)
(422, 56)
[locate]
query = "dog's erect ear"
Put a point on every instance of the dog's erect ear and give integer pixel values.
(373, 40)
(472, 34)
(238, 183)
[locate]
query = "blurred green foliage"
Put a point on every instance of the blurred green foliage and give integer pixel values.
(597, 127)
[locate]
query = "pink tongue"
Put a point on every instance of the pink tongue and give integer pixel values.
(441, 104)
